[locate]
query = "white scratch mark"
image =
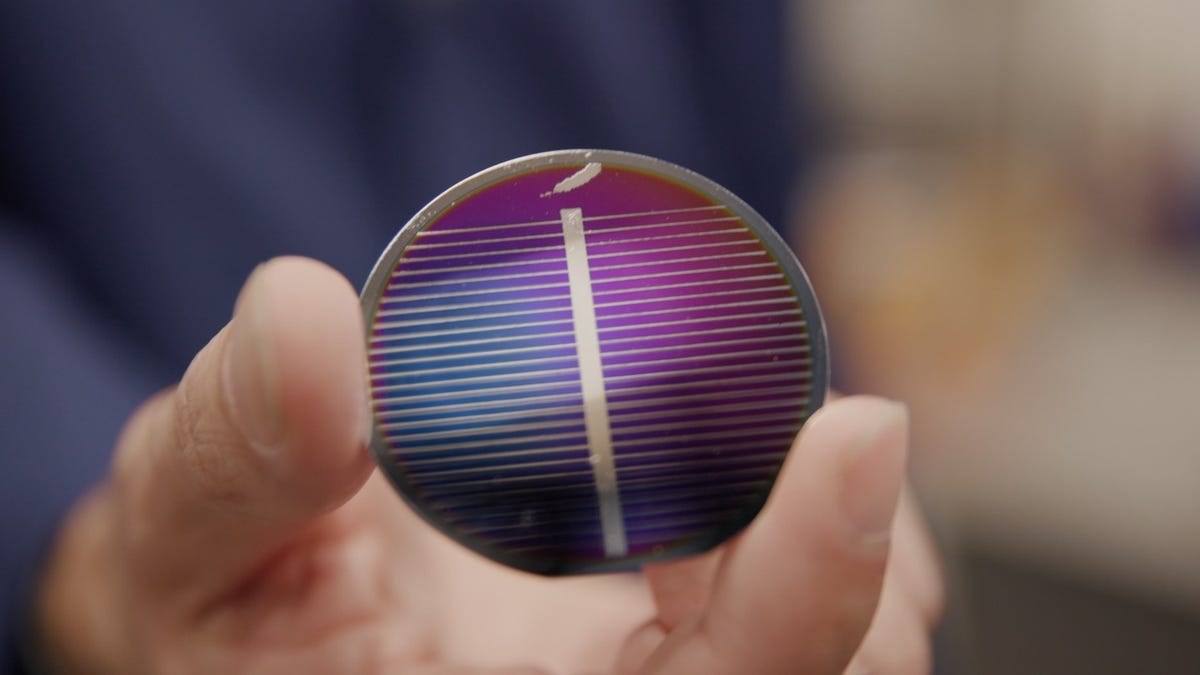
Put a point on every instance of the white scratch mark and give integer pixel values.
(576, 180)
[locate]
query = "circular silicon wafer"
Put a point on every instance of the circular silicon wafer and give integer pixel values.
(585, 360)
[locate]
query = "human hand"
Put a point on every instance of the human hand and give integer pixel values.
(242, 531)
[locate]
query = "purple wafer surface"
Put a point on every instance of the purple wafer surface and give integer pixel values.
(703, 345)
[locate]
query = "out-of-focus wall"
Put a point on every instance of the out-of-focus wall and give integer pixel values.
(1007, 235)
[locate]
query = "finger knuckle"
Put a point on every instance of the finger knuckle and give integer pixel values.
(203, 447)
(139, 434)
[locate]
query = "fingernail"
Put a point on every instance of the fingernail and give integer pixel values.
(250, 373)
(875, 475)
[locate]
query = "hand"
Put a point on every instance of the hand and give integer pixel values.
(242, 531)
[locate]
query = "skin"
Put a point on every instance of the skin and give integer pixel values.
(243, 530)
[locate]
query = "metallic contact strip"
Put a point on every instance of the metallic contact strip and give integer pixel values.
(456, 343)
(478, 499)
(508, 338)
(386, 325)
(483, 291)
(700, 358)
(753, 380)
(657, 224)
(409, 323)
(665, 237)
(529, 452)
(618, 406)
(544, 360)
(451, 256)
(702, 258)
(611, 216)
(688, 333)
(639, 277)
(500, 377)
(558, 247)
(420, 245)
(509, 390)
(523, 350)
(726, 317)
(488, 408)
(712, 369)
(698, 296)
(508, 264)
(546, 298)
(456, 282)
(689, 485)
(415, 449)
(582, 506)
(505, 521)
(480, 354)
(591, 378)
(699, 345)
(415, 440)
(664, 275)
(518, 388)
(788, 300)
(470, 305)
(680, 247)
(707, 283)
(697, 468)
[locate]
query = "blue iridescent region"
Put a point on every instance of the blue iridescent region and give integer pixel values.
(476, 384)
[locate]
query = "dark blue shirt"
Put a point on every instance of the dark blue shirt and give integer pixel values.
(151, 153)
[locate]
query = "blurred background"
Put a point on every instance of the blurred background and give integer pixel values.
(1005, 233)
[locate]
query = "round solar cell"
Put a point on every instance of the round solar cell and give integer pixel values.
(585, 360)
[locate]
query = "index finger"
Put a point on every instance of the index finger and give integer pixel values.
(796, 593)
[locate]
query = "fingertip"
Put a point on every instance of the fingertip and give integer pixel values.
(308, 274)
(813, 562)
(305, 328)
(853, 452)
(851, 421)
(873, 470)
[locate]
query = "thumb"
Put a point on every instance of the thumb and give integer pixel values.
(796, 593)
(264, 433)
